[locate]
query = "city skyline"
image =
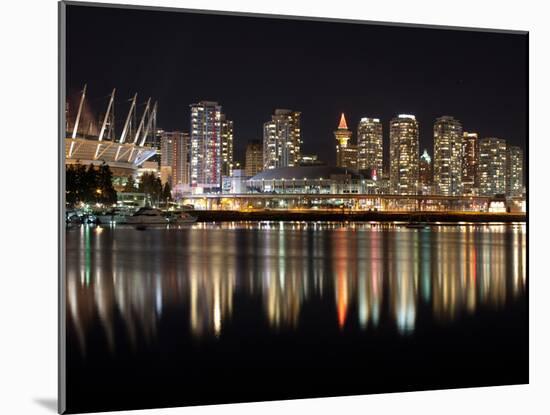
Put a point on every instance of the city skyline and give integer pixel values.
(486, 100)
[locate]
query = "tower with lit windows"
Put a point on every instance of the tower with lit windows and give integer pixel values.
(448, 156)
(404, 160)
(514, 171)
(346, 153)
(206, 146)
(282, 139)
(492, 166)
(370, 153)
(470, 162)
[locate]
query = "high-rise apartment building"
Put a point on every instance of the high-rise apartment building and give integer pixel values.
(346, 152)
(175, 158)
(404, 158)
(425, 173)
(206, 146)
(492, 166)
(470, 163)
(514, 171)
(282, 139)
(448, 156)
(254, 158)
(370, 154)
(227, 145)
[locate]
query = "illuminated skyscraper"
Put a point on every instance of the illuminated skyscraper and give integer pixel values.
(206, 146)
(492, 166)
(346, 153)
(448, 156)
(514, 171)
(425, 173)
(282, 139)
(227, 145)
(175, 158)
(470, 162)
(254, 158)
(404, 158)
(370, 153)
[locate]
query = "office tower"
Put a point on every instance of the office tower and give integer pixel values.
(254, 158)
(425, 173)
(346, 153)
(206, 146)
(175, 158)
(492, 166)
(404, 155)
(282, 139)
(227, 145)
(514, 171)
(470, 162)
(448, 156)
(370, 153)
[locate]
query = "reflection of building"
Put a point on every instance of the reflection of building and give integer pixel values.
(282, 139)
(483, 268)
(254, 162)
(404, 155)
(310, 180)
(448, 156)
(425, 173)
(470, 161)
(227, 145)
(514, 171)
(369, 145)
(206, 146)
(346, 153)
(492, 166)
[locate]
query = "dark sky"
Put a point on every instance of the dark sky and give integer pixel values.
(253, 65)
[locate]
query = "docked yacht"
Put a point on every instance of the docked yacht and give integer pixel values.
(115, 215)
(180, 218)
(147, 216)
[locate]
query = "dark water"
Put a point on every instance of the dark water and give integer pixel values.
(232, 312)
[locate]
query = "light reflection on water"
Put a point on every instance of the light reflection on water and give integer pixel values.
(368, 275)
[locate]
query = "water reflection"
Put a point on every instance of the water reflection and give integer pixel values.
(349, 276)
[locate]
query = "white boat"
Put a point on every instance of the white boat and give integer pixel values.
(115, 215)
(147, 216)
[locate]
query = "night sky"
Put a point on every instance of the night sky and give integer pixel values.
(252, 65)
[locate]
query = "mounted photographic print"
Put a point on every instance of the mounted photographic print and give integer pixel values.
(260, 207)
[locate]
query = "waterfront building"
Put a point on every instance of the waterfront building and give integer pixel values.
(282, 139)
(175, 158)
(206, 147)
(236, 183)
(307, 180)
(470, 162)
(492, 166)
(425, 174)
(447, 168)
(370, 153)
(254, 159)
(514, 171)
(227, 145)
(346, 153)
(404, 155)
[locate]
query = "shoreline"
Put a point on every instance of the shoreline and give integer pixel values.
(331, 216)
